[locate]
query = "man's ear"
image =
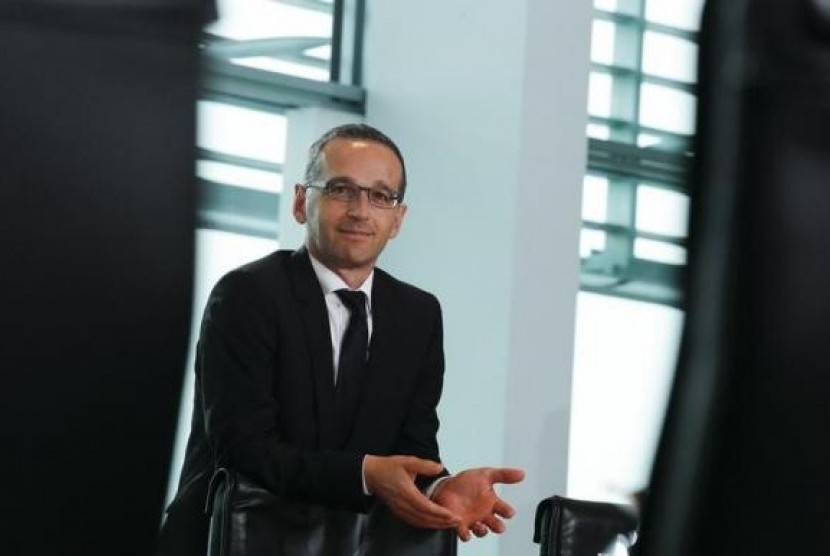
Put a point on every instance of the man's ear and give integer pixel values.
(299, 203)
(398, 222)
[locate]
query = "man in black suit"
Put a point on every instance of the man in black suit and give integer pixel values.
(280, 400)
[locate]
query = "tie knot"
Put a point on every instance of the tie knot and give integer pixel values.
(354, 300)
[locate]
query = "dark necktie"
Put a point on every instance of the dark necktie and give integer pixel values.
(352, 360)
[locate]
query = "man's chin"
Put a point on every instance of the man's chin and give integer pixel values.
(352, 259)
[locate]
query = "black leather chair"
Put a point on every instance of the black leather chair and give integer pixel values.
(570, 527)
(244, 515)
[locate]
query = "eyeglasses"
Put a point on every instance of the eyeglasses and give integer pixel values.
(348, 192)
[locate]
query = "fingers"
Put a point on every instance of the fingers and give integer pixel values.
(391, 480)
(479, 529)
(494, 524)
(502, 508)
(420, 466)
(417, 518)
(463, 532)
(416, 509)
(506, 475)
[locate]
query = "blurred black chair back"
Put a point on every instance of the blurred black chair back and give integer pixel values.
(569, 527)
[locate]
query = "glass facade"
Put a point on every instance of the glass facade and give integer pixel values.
(641, 109)
(635, 207)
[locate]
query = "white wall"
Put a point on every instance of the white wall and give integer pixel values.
(488, 103)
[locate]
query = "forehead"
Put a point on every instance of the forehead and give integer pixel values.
(365, 162)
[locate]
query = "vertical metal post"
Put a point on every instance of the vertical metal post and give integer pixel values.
(336, 41)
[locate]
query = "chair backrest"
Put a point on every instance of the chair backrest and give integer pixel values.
(570, 527)
(248, 520)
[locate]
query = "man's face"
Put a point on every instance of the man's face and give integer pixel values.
(351, 235)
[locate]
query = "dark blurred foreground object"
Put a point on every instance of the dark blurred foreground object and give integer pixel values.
(571, 527)
(742, 467)
(247, 520)
(97, 203)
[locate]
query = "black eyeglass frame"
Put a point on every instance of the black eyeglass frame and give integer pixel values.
(327, 190)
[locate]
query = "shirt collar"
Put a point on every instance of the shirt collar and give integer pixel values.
(331, 282)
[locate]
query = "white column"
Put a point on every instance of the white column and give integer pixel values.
(488, 100)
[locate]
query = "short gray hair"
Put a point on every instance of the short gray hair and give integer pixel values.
(350, 131)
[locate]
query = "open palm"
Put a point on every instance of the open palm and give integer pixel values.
(471, 497)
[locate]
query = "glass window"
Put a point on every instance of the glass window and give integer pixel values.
(667, 109)
(595, 198)
(623, 354)
(599, 131)
(239, 166)
(239, 176)
(599, 94)
(607, 5)
(602, 42)
(217, 252)
(241, 131)
(669, 56)
(591, 242)
(659, 251)
(285, 37)
(662, 211)
(632, 246)
(683, 14)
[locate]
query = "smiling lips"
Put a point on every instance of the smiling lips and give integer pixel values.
(359, 232)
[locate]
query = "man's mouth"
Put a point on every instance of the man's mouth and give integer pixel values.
(356, 232)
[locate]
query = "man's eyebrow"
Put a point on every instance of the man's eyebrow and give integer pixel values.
(339, 178)
(383, 185)
(377, 184)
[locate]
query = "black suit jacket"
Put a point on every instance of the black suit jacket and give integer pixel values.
(264, 397)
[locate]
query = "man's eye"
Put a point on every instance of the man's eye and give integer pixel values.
(340, 190)
(380, 196)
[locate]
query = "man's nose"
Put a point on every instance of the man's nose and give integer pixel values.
(360, 207)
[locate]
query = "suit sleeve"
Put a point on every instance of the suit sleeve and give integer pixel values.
(418, 435)
(237, 352)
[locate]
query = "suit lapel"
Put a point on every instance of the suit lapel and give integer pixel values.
(315, 321)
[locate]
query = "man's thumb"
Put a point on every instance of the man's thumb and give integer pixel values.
(507, 475)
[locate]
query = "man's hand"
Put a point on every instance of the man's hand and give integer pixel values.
(470, 496)
(392, 479)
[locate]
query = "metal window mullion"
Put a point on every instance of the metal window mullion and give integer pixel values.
(357, 50)
(626, 160)
(237, 209)
(641, 11)
(236, 160)
(692, 36)
(350, 51)
(619, 242)
(618, 230)
(672, 142)
(239, 85)
(618, 72)
(628, 19)
(336, 41)
(625, 89)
